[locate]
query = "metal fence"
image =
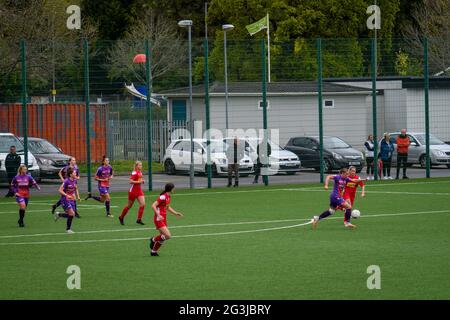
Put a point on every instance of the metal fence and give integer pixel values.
(347, 88)
(127, 139)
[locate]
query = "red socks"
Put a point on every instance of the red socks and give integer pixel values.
(140, 212)
(159, 240)
(124, 212)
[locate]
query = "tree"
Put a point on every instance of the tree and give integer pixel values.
(431, 20)
(167, 49)
(51, 47)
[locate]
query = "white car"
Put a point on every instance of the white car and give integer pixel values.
(280, 160)
(178, 157)
(6, 141)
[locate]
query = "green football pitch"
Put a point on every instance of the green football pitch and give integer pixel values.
(246, 243)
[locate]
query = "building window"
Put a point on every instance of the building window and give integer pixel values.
(328, 103)
(260, 105)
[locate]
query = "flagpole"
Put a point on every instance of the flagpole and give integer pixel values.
(268, 49)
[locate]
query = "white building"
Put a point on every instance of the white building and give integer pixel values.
(347, 107)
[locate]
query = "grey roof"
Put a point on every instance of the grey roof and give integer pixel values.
(272, 88)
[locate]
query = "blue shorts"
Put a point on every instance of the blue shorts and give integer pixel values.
(69, 204)
(22, 199)
(336, 201)
(103, 190)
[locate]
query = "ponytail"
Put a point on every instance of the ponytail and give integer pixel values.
(168, 188)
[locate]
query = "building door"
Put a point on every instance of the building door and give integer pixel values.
(179, 110)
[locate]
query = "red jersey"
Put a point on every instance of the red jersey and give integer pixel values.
(350, 187)
(136, 187)
(163, 202)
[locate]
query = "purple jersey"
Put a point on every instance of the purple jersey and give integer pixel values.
(69, 187)
(21, 185)
(104, 173)
(64, 171)
(339, 185)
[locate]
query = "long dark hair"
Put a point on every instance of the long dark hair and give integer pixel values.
(168, 188)
(69, 172)
(103, 160)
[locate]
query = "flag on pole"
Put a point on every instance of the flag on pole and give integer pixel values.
(258, 25)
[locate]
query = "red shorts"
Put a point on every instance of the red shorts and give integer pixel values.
(350, 197)
(160, 224)
(134, 195)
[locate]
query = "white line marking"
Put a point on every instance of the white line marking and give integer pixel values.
(48, 210)
(220, 233)
(153, 228)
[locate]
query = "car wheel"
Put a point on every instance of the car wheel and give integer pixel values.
(358, 170)
(448, 166)
(292, 173)
(422, 161)
(327, 167)
(169, 167)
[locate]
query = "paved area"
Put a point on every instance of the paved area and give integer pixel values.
(181, 181)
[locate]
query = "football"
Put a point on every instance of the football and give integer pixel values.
(356, 214)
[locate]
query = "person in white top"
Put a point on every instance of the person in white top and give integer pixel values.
(369, 149)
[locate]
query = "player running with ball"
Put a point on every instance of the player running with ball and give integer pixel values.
(336, 199)
(160, 207)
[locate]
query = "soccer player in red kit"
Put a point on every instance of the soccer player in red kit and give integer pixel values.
(350, 190)
(160, 208)
(135, 193)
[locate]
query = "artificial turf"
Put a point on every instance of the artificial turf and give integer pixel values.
(237, 244)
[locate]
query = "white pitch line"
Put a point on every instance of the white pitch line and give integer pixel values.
(219, 233)
(382, 192)
(153, 228)
(48, 210)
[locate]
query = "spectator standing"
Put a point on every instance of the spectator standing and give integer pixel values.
(386, 151)
(235, 153)
(260, 158)
(402, 153)
(12, 164)
(369, 145)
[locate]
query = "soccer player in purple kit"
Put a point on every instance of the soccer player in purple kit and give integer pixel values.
(336, 198)
(68, 191)
(21, 188)
(103, 175)
(63, 175)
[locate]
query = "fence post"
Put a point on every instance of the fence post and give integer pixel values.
(87, 118)
(24, 102)
(320, 102)
(149, 113)
(374, 107)
(427, 105)
(208, 137)
(264, 102)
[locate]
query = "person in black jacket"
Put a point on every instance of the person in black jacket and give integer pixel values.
(261, 160)
(12, 164)
(369, 153)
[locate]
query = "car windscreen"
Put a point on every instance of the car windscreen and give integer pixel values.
(334, 143)
(273, 146)
(434, 141)
(216, 146)
(42, 147)
(7, 141)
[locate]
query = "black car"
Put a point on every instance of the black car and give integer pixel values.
(336, 153)
(49, 157)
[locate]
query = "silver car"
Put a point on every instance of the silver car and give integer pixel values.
(439, 150)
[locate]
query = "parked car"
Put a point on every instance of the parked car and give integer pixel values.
(6, 141)
(280, 160)
(178, 157)
(439, 150)
(336, 153)
(49, 157)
